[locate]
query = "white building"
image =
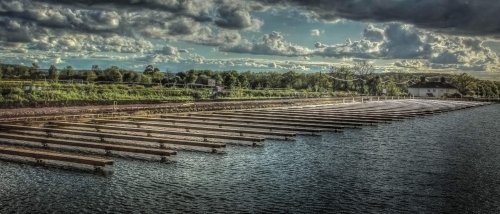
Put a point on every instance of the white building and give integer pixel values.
(432, 89)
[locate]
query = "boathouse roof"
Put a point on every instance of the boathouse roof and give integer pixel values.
(433, 85)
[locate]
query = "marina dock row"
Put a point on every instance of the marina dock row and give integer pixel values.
(92, 143)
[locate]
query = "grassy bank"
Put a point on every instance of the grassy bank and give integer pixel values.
(63, 94)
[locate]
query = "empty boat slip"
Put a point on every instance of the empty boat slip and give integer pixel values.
(69, 141)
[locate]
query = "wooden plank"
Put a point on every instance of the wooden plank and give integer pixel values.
(189, 127)
(227, 124)
(319, 116)
(249, 121)
(275, 119)
(316, 112)
(73, 143)
(45, 155)
(351, 121)
(115, 136)
(152, 131)
(367, 115)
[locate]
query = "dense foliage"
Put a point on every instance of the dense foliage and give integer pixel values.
(114, 83)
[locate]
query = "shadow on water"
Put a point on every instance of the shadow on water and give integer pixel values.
(444, 163)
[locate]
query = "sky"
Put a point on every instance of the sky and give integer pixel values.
(256, 35)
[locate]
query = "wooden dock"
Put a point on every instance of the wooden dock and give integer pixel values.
(43, 157)
(163, 135)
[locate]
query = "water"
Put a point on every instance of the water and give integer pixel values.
(447, 163)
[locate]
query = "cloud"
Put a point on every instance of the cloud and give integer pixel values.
(414, 64)
(401, 41)
(458, 16)
(390, 41)
(236, 18)
(271, 44)
(315, 32)
(58, 60)
(90, 43)
(191, 21)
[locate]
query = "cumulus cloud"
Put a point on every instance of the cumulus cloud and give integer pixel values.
(236, 18)
(402, 41)
(58, 60)
(271, 44)
(192, 21)
(315, 32)
(87, 27)
(91, 43)
(390, 41)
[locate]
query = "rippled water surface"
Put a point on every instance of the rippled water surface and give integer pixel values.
(444, 163)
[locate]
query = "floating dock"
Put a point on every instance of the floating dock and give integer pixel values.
(92, 141)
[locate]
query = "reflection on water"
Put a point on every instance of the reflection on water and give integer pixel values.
(445, 163)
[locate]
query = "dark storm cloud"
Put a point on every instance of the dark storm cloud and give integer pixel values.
(196, 10)
(470, 17)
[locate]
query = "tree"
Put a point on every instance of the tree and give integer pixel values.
(53, 73)
(96, 70)
(230, 79)
(157, 76)
(423, 79)
(68, 72)
(342, 76)
(34, 73)
(392, 88)
(375, 85)
(130, 76)
(243, 81)
(362, 71)
(148, 70)
(153, 73)
(145, 79)
(464, 83)
(90, 76)
(9, 71)
(113, 74)
(218, 79)
(191, 77)
(289, 79)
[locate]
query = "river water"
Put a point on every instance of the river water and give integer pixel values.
(447, 163)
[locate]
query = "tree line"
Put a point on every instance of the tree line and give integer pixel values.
(360, 78)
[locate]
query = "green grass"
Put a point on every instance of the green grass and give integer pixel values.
(12, 92)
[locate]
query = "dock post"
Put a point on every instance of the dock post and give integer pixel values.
(163, 159)
(40, 162)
